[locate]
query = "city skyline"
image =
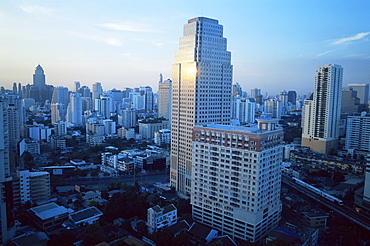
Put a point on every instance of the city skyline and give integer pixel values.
(129, 45)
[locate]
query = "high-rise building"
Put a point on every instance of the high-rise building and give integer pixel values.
(137, 100)
(34, 186)
(128, 118)
(97, 91)
(350, 101)
(74, 110)
(147, 92)
(284, 101)
(77, 86)
(358, 134)
(85, 91)
(255, 92)
(322, 114)
(104, 106)
(201, 91)
(60, 95)
(273, 107)
(39, 91)
(58, 112)
(244, 109)
(366, 197)
(237, 90)
(292, 97)
(14, 126)
(362, 92)
(164, 98)
(39, 77)
(6, 192)
(237, 178)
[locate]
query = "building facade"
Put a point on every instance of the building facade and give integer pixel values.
(74, 110)
(158, 218)
(358, 134)
(164, 98)
(6, 195)
(201, 91)
(362, 92)
(322, 114)
(34, 186)
(237, 178)
(244, 109)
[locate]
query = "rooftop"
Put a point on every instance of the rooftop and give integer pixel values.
(169, 208)
(85, 214)
(199, 230)
(50, 210)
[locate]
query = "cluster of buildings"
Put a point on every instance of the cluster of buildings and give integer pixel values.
(226, 145)
(227, 164)
(128, 160)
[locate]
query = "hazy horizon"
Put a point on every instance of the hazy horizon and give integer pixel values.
(275, 45)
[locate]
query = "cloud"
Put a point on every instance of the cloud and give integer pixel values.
(324, 53)
(358, 36)
(129, 27)
(35, 9)
(112, 41)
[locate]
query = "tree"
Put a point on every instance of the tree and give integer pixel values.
(279, 242)
(338, 176)
(94, 173)
(142, 227)
(65, 237)
(93, 235)
(181, 239)
(163, 238)
(92, 203)
(183, 206)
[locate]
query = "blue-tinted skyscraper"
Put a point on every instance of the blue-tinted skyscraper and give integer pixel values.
(39, 77)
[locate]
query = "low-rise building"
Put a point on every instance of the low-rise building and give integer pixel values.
(49, 216)
(201, 235)
(161, 217)
(86, 216)
(162, 136)
(148, 127)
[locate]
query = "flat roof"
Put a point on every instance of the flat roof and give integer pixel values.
(242, 129)
(50, 210)
(85, 214)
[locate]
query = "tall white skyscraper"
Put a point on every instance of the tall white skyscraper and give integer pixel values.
(6, 190)
(164, 98)
(201, 91)
(273, 107)
(358, 134)
(320, 121)
(104, 106)
(244, 109)
(237, 178)
(14, 126)
(74, 110)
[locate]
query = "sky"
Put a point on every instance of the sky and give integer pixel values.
(275, 45)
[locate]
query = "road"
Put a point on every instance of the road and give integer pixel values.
(345, 211)
(140, 178)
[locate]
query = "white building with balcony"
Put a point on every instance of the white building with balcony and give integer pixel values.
(159, 218)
